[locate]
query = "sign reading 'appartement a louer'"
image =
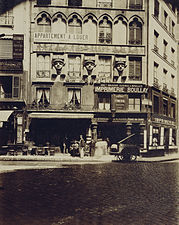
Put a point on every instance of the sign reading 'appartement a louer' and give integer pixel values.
(58, 37)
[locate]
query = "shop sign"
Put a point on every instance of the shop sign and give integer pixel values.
(57, 37)
(121, 88)
(120, 102)
(108, 49)
(163, 121)
(18, 46)
(11, 65)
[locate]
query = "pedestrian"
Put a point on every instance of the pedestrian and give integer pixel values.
(81, 146)
(108, 145)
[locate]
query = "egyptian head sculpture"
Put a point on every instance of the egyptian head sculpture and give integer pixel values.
(89, 66)
(58, 64)
(120, 66)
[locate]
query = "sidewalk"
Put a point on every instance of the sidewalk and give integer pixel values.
(59, 157)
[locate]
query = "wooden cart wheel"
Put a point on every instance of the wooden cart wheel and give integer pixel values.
(133, 157)
(120, 157)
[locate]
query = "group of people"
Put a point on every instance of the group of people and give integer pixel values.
(79, 147)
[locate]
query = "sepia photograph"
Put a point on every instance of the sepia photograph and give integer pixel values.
(89, 119)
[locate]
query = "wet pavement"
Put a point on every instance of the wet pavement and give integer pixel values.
(89, 194)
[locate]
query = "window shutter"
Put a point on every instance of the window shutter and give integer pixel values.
(6, 49)
(138, 68)
(138, 35)
(131, 68)
(132, 4)
(16, 87)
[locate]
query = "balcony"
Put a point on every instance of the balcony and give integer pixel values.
(165, 56)
(156, 83)
(165, 89)
(104, 4)
(6, 20)
(43, 74)
(156, 48)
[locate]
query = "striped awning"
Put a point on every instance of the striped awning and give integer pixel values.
(5, 114)
(61, 115)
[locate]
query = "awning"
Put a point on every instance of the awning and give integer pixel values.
(61, 115)
(5, 114)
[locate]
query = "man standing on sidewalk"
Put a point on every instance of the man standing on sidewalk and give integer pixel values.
(81, 146)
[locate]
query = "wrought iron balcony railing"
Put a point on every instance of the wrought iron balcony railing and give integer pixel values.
(6, 20)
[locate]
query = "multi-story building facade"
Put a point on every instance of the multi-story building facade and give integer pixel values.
(101, 69)
(14, 67)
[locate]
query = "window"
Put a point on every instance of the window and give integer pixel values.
(135, 32)
(43, 66)
(104, 101)
(156, 41)
(6, 18)
(74, 2)
(43, 2)
(74, 66)
(43, 23)
(134, 104)
(165, 107)
(43, 96)
(104, 3)
(74, 25)
(156, 83)
(104, 68)
(135, 4)
(105, 31)
(135, 68)
(165, 19)
(156, 136)
(156, 9)
(74, 97)
(165, 80)
(173, 110)
(165, 49)
(9, 87)
(173, 29)
(156, 104)
(173, 56)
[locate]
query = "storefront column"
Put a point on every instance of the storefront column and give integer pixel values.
(128, 131)
(94, 126)
(142, 144)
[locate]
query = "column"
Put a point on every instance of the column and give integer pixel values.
(142, 128)
(128, 132)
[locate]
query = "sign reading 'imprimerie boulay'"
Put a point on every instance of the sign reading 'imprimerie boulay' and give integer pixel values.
(118, 88)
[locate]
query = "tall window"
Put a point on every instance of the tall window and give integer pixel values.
(104, 101)
(105, 31)
(74, 2)
(74, 25)
(7, 18)
(74, 96)
(134, 104)
(43, 96)
(173, 56)
(135, 68)
(43, 66)
(156, 9)
(43, 23)
(165, 107)
(156, 35)
(156, 104)
(135, 4)
(156, 83)
(104, 67)
(165, 79)
(165, 49)
(165, 19)
(135, 32)
(74, 66)
(9, 86)
(173, 110)
(173, 29)
(104, 3)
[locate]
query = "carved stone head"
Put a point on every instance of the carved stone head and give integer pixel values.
(120, 66)
(58, 64)
(89, 65)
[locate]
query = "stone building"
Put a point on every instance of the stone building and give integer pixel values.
(102, 69)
